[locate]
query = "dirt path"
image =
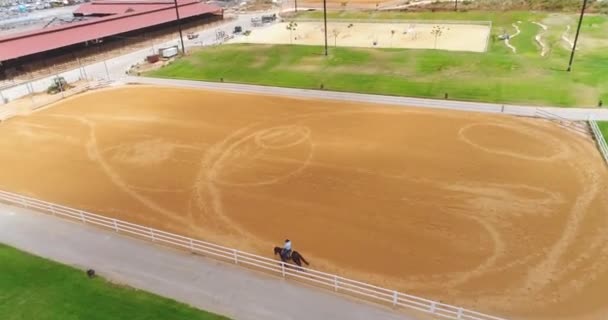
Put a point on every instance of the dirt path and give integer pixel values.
(539, 38)
(495, 213)
(507, 43)
(566, 39)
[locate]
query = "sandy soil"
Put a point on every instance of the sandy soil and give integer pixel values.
(455, 37)
(351, 4)
(500, 214)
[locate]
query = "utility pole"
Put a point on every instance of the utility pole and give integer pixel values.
(325, 21)
(179, 27)
(578, 30)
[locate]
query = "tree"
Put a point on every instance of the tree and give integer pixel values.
(343, 5)
(292, 26)
(437, 32)
(335, 33)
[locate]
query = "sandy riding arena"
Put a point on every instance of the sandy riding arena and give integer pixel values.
(499, 214)
(455, 37)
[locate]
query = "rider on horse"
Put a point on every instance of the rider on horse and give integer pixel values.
(286, 252)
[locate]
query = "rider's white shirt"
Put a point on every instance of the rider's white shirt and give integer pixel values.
(288, 245)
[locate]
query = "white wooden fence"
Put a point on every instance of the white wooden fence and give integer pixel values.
(322, 279)
(599, 138)
(395, 21)
(577, 126)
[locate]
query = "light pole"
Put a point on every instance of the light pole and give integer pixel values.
(578, 30)
(179, 27)
(325, 22)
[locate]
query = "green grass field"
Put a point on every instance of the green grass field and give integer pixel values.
(35, 288)
(498, 75)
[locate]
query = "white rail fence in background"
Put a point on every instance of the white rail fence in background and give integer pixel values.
(599, 138)
(395, 21)
(578, 126)
(322, 279)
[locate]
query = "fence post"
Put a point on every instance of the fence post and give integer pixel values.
(23, 203)
(191, 245)
(115, 225)
(459, 313)
(395, 298)
(433, 306)
(335, 282)
(52, 208)
(236, 259)
(283, 268)
(152, 234)
(82, 216)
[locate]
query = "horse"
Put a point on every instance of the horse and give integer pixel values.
(295, 256)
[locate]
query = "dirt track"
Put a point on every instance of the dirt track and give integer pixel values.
(500, 214)
(455, 37)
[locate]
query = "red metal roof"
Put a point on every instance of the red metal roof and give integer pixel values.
(118, 7)
(22, 44)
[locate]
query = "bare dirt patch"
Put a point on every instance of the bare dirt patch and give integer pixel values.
(455, 37)
(500, 214)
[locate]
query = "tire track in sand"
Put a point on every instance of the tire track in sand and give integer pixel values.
(218, 158)
(93, 152)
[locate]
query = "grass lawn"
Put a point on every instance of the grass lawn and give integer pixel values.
(35, 288)
(498, 75)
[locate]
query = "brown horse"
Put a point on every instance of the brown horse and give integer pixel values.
(295, 256)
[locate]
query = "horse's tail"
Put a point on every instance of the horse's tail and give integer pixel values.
(304, 260)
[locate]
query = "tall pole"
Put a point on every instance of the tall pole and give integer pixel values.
(578, 30)
(325, 21)
(296, 5)
(179, 27)
(455, 5)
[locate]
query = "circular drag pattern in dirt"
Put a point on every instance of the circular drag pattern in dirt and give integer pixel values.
(282, 137)
(500, 214)
(276, 154)
(143, 153)
(511, 141)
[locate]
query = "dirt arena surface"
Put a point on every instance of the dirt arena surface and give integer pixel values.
(500, 214)
(455, 37)
(348, 5)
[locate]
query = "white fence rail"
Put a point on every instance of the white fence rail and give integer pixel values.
(395, 21)
(577, 126)
(599, 138)
(322, 279)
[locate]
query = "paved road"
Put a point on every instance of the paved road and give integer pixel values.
(207, 284)
(566, 113)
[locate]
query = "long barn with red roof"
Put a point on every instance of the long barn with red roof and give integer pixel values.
(100, 21)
